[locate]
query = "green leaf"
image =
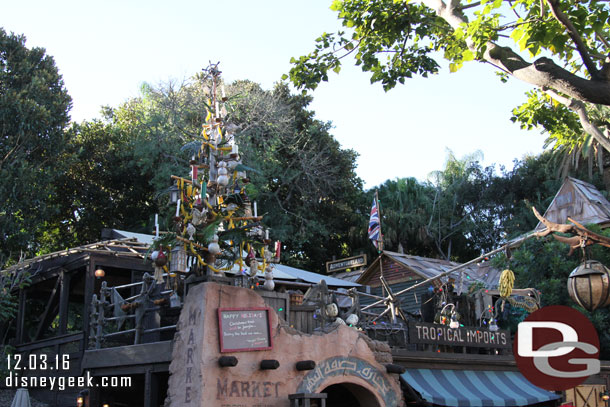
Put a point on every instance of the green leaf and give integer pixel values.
(336, 5)
(241, 167)
(467, 55)
(453, 67)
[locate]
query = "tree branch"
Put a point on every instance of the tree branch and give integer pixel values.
(476, 3)
(579, 107)
(546, 73)
(573, 33)
(542, 73)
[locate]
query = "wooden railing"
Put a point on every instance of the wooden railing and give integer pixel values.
(142, 309)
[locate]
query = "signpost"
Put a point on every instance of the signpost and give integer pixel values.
(244, 329)
(347, 263)
(437, 334)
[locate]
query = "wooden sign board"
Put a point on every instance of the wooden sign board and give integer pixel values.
(244, 329)
(437, 334)
(347, 263)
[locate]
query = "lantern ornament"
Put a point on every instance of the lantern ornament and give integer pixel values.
(178, 260)
(174, 193)
(589, 285)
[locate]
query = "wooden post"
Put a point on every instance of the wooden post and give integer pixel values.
(89, 287)
(21, 316)
(49, 311)
(100, 322)
(64, 300)
(150, 388)
(93, 327)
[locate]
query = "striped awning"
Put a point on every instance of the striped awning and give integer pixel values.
(475, 388)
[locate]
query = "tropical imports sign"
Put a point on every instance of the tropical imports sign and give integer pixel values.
(244, 329)
(347, 263)
(437, 334)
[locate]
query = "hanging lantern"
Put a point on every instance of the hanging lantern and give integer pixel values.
(589, 285)
(99, 273)
(174, 193)
(178, 262)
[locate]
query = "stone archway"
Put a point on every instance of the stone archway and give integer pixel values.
(352, 377)
(348, 394)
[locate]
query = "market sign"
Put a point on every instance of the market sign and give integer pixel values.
(437, 334)
(347, 263)
(244, 329)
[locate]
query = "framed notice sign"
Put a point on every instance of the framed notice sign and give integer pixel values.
(244, 329)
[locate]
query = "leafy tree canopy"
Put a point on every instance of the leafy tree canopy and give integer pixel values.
(34, 108)
(465, 210)
(559, 47)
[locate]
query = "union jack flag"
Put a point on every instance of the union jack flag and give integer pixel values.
(375, 225)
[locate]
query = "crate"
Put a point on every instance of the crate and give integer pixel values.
(296, 299)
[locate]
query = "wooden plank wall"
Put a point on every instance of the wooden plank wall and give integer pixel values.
(393, 272)
(302, 318)
(586, 396)
(280, 302)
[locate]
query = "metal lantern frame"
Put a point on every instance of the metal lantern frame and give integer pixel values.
(589, 285)
(178, 263)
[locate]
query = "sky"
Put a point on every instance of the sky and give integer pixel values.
(105, 50)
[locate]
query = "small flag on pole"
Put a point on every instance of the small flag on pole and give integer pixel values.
(375, 225)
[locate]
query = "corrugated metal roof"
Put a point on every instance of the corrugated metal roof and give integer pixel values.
(117, 247)
(314, 278)
(586, 204)
(429, 268)
(593, 195)
(277, 273)
(140, 237)
(351, 276)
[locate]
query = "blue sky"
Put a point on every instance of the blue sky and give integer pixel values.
(105, 50)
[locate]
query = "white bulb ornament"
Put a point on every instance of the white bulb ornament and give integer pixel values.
(332, 310)
(223, 178)
(269, 284)
(352, 320)
(214, 247)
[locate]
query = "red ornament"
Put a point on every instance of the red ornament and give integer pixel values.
(251, 256)
(161, 259)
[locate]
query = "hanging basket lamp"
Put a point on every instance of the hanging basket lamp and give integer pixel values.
(589, 285)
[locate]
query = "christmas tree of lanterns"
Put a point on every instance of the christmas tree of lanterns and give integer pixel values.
(215, 225)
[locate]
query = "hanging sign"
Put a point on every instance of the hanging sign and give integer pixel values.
(437, 334)
(347, 263)
(244, 329)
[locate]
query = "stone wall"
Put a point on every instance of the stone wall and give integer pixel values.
(342, 356)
